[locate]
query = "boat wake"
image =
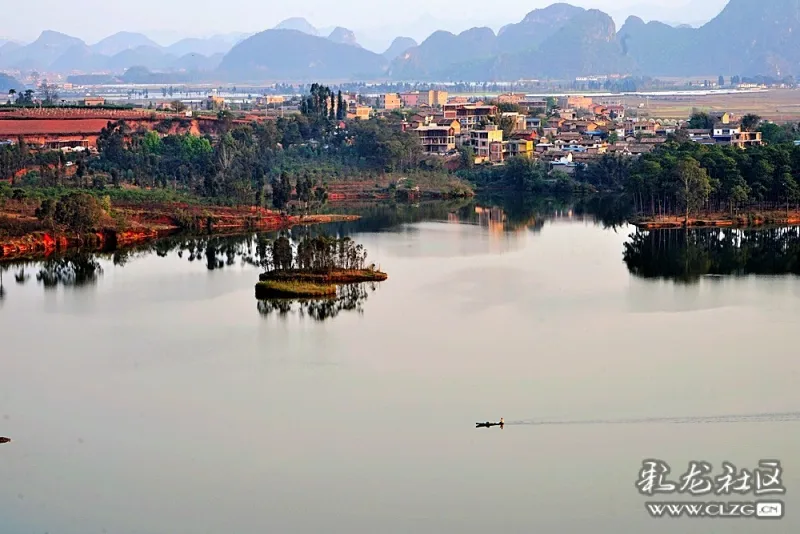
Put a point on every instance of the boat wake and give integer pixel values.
(788, 417)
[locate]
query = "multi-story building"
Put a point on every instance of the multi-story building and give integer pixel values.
(469, 115)
(517, 120)
(533, 105)
(575, 102)
(434, 98)
(481, 141)
(410, 100)
(356, 111)
(510, 98)
(389, 101)
(731, 134)
(499, 151)
(438, 139)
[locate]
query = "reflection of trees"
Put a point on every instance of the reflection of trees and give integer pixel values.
(77, 269)
(609, 210)
(390, 216)
(349, 298)
(686, 255)
(2, 287)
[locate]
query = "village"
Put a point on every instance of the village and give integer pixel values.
(564, 131)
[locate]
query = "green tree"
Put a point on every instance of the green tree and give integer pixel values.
(78, 211)
(750, 122)
(282, 254)
(701, 121)
(693, 185)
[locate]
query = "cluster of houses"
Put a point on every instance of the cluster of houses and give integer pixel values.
(563, 132)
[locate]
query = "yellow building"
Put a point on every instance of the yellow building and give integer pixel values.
(359, 112)
(521, 148)
(94, 101)
(389, 101)
(433, 98)
(215, 102)
(575, 102)
(481, 141)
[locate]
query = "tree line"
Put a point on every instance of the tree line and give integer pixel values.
(320, 254)
(680, 178)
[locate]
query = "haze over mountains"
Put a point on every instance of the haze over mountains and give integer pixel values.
(560, 41)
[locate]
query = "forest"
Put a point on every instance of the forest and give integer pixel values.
(682, 178)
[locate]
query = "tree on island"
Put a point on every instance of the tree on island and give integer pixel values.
(319, 254)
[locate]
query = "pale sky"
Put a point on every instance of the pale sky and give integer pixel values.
(373, 21)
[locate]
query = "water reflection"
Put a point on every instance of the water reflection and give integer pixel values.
(349, 298)
(688, 255)
(77, 270)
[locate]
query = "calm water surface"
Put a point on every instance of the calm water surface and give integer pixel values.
(158, 399)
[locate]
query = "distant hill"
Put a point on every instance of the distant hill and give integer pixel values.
(197, 62)
(298, 24)
(277, 55)
(154, 58)
(343, 36)
(6, 84)
(217, 44)
(79, 58)
(439, 53)
(516, 51)
(535, 28)
(41, 53)
(398, 47)
(122, 41)
(747, 37)
(560, 41)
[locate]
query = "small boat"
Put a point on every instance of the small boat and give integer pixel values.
(5, 440)
(487, 424)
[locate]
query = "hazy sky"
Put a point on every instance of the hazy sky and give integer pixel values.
(169, 20)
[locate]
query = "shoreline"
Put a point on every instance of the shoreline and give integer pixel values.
(303, 284)
(719, 220)
(149, 223)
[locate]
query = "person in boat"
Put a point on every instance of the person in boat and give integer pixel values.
(5, 440)
(487, 424)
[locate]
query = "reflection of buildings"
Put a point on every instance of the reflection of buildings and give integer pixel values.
(492, 218)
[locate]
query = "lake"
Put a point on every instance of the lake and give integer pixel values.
(147, 393)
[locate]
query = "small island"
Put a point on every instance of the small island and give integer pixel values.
(313, 269)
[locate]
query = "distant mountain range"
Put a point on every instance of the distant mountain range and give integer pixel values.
(60, 53)
(6, 84)
(560, 41)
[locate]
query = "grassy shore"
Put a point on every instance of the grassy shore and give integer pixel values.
(294, 289)
(304, 284)
(335, 276)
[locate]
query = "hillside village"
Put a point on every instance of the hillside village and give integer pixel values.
(564, 131)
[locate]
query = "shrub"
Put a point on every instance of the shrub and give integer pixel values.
(78, 211)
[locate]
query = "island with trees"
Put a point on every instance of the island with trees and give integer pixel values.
(313, 268)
